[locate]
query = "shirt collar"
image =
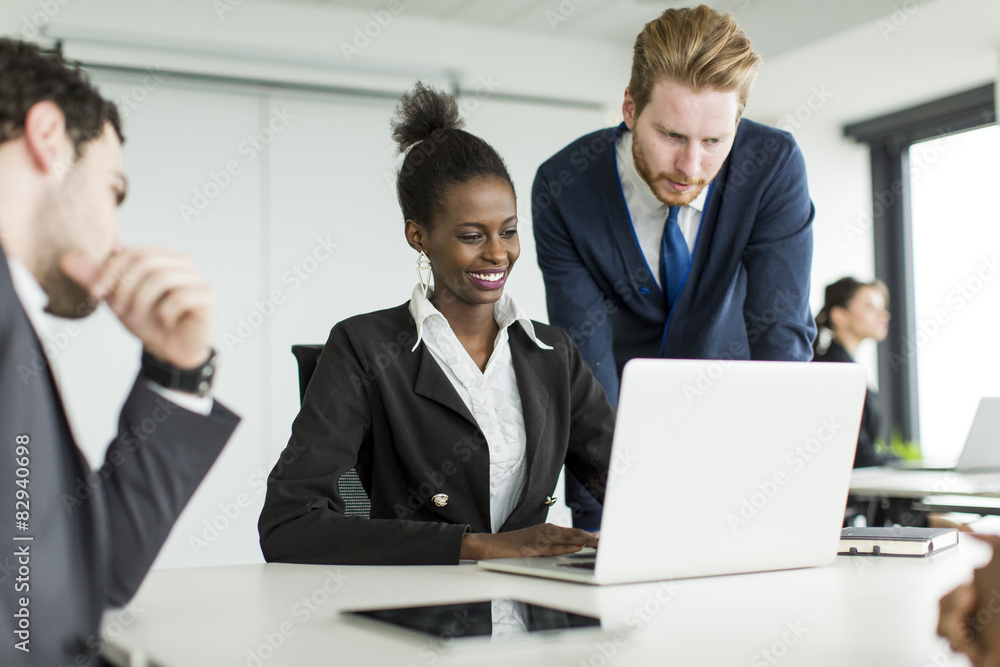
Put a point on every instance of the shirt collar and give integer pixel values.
(505, 312)
(645, 195)
(31, 295)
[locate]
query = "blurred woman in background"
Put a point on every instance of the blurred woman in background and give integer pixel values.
(853, 312)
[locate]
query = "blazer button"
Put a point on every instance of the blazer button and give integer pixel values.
(549, 501)
(439, 499)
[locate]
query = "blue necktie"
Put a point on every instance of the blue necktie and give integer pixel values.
(675, 258)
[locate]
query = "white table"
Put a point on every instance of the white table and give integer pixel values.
(857, 611)
(890, 483)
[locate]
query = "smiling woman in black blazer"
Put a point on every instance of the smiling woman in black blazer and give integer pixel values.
(456, 409)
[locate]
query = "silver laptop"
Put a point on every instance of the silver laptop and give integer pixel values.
(981, 452)
(720, 467)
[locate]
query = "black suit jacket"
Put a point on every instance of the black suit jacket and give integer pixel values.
(94, 534)
(391, 412)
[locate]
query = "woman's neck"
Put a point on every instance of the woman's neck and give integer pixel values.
(848, 342)
(473, 325)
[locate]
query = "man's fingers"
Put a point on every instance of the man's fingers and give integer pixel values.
(152, 289)
(139, 281)
(180, 302)
(122, 271)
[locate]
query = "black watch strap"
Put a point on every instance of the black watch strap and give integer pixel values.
(193, 380)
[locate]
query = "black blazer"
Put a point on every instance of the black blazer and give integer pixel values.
(391, 412)
(95, 534)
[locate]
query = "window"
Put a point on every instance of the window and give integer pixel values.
(913, 250)
(956, 282)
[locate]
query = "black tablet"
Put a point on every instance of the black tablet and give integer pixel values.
(499, 620)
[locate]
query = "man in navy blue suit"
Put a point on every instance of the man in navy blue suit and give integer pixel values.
(685, 232)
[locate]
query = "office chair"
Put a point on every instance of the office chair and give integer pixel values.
(356, 502)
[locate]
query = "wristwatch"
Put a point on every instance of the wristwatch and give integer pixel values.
(191, 380)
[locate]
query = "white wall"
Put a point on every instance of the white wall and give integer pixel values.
(269, 218)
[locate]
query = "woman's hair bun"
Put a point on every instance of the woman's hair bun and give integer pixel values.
(422, 112)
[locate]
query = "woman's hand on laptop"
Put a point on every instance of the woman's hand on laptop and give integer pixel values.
(545, 539)
(968, 618)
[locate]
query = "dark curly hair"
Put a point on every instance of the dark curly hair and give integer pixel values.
(29, 74)
(427, 127)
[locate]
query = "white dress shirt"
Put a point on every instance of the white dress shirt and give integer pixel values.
(34, 301)
(491, 395)
(648, 213)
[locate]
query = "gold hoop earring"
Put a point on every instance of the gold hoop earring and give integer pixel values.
(424, 272)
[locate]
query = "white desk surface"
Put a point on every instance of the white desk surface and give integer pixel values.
(919, 483)
(857, 611)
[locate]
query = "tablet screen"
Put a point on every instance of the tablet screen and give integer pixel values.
(496, 620)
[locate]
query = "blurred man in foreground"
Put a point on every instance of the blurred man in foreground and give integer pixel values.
(81, 541)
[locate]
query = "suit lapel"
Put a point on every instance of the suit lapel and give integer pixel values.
(617, 214)
(632, 269)
(706, 232)
(531, 387)
(432, 383)
(534, 398)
